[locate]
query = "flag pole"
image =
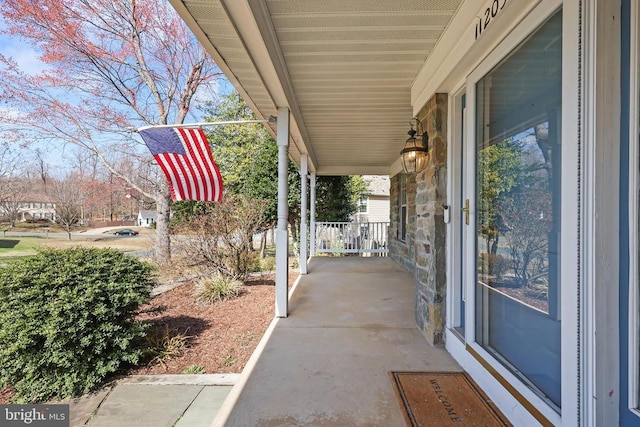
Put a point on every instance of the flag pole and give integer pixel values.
(271, 119)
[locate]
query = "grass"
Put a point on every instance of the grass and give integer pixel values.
(217, 288)
(194, 370)
(163, 343)
(16, 247)
(229, 360)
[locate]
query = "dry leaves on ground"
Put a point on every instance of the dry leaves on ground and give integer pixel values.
(222, 336)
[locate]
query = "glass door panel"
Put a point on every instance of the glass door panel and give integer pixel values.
(461, 219)
(517, 199)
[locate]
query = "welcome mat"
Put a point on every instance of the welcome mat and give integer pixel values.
(444, 399)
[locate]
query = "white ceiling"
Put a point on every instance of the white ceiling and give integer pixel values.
(344, 68)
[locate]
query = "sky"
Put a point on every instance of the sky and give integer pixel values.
(27, 59)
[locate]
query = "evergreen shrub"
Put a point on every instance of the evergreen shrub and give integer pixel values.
(67, 320)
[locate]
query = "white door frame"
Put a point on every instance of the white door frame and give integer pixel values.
(500, 383)
(633, 338)
(454, 194)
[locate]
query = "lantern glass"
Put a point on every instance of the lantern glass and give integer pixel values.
(413, 155)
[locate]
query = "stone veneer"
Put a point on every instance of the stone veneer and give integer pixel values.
(424, 251)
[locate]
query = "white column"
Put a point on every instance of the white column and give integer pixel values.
(312, 233)
(303, 213)
(282, 234)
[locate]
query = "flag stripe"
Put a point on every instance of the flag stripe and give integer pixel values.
(212, 173)
(196, 164)
(167, 172)
(215, 172)
(187, 177)
(193, 165)
(185, 158)
(176, 179)
(203, 154)
(177, 173)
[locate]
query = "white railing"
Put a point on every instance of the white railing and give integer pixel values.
(352, 238)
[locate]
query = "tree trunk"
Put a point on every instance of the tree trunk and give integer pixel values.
(163, 239)
(494, 244)
(249, 238)
(294, 229)
(263, 244)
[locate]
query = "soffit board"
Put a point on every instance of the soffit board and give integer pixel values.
(344, 68)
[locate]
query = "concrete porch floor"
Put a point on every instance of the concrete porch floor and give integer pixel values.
(351, 321)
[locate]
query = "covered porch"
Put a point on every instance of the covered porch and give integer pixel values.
(351, 321)
(346, 82)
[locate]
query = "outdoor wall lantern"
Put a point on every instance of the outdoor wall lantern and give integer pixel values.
(414, 153)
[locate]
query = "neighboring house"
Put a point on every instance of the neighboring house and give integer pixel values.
(147, 218)
(34, 207)
(374, 206)
(23, 200)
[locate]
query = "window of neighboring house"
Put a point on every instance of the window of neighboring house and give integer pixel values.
(363, 204)
(404, 211)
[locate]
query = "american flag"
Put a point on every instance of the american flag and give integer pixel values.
(185, 158)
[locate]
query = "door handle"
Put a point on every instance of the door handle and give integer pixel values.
(466, 211)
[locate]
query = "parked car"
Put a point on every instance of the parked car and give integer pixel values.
(126, 232)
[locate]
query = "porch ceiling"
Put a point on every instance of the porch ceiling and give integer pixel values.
(343, 68)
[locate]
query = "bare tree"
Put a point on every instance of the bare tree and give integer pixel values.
(111, 66)
(13, 183)
(66, 196)
(8, 160)
(219, 236)
(528, 218)
(14, 190)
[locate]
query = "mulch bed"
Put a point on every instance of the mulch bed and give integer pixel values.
(222, 336)
(525, 295)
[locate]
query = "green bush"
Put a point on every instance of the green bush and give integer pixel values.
(268, 263)
(217, 288)
(67, 320)
(256, 264)
(253, 262)
(495, 264)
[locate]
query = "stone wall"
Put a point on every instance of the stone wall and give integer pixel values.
(424, 250)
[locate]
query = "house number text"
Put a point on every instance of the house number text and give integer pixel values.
(489, 13)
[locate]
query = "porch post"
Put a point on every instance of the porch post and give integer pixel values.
(312, 233)
(303, 214)
(282, 234)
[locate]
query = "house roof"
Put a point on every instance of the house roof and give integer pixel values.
(148, 214)
(345, 69)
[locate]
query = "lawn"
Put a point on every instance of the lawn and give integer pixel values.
(15, 247)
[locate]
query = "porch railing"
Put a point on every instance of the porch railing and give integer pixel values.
(364, 238)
